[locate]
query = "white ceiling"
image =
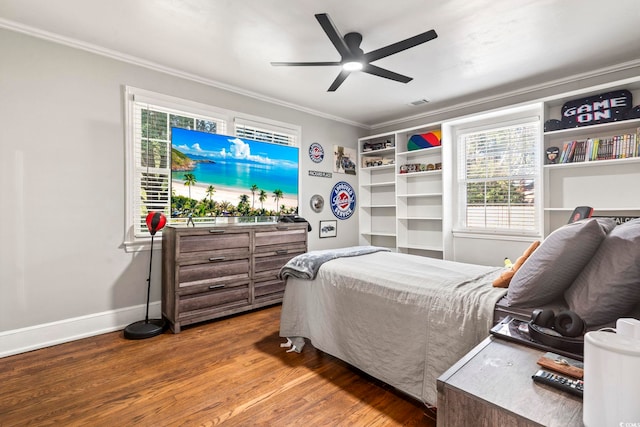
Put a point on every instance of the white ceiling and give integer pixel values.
(484, 47)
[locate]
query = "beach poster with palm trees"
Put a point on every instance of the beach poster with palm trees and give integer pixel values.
(214, 175)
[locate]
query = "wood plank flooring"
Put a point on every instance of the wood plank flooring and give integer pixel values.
(228, 372)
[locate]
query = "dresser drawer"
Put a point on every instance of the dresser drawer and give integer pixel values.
(268, 289)
(213, 272)
(279, 249)
(214, 300)
(280, 234)
(214, 256)
(270, 263)
(213, 239)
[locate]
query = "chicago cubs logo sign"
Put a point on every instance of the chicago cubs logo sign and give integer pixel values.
(343, 200)
(316, 152)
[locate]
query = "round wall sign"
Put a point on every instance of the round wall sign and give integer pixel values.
(343, 200)
(316, 152)
(317, 203)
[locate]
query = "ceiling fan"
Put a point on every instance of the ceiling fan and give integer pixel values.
(354, 58)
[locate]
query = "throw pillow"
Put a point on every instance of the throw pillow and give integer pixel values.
(553, 267)
(609, 286)
(505, 278)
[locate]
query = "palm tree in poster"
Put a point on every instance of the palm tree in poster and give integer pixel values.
(254, 188)
(277, 195)
(226, 207)
(243, 206)
(210, 191)
(189, 180)
(262, 197)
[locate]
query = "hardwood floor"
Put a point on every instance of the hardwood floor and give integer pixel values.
(227, 372)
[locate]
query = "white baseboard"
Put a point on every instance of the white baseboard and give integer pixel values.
(35, 337)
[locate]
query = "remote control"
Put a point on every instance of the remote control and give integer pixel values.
(573, 386)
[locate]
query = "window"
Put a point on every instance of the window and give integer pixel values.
(254, 131)
(149, 119)
(497, 175)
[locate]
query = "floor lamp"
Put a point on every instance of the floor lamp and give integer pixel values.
(148, 328)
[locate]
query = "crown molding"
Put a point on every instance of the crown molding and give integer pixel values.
(514, 93)
(134, 60)
(479, 102)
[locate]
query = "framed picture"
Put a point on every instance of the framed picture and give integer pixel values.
(344, 160)
(328, 229)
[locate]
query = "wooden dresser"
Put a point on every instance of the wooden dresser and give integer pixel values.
(209, 272)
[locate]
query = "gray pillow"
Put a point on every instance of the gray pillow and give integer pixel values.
(553, 267)
(609, 286)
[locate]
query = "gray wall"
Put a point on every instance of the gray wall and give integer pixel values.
(62, 189)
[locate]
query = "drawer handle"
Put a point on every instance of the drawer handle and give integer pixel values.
(216, 258)
(282, 251)
(282, 227)
(216, 286)
(216, 231)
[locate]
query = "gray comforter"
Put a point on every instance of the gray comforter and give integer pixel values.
(401, 318)
(306, 266)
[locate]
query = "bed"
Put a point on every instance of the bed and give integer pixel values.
(405, 319)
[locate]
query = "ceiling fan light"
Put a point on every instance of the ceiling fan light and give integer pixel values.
(352, 66)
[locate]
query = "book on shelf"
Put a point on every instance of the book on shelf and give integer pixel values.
(592, 149)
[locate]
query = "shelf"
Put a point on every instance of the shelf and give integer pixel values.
(422, 247)
(417, 174)
(377, 206)
(596, 210)
(389, 150)
(378, 233)
(420, 218)
(379, 184)
(389, 166)
(416, 195)
(422, 151)
(593, 129)
(591, 163)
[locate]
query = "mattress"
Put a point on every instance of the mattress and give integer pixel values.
(401, 318)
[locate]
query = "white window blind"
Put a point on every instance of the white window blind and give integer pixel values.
(261, 132)
(498, 178)
(150, 121)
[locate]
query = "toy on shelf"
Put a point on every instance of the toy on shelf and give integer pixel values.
(424, 140)
(419, 167)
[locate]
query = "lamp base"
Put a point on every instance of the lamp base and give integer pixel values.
(144, 329)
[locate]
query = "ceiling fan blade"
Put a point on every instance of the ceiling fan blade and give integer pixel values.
(381, 72)
(302, 64)
(338, 81)
(333, 34)
(400, 46)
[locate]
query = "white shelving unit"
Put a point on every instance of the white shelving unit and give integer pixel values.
(610, 186)
(411, 212)
(377, 206)
(401, 209)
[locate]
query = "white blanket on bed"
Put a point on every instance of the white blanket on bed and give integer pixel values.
(401, 318)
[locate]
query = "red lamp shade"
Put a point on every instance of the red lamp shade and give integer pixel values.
(155, 221)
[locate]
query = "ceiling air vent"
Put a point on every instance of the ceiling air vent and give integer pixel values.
(419, 102)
